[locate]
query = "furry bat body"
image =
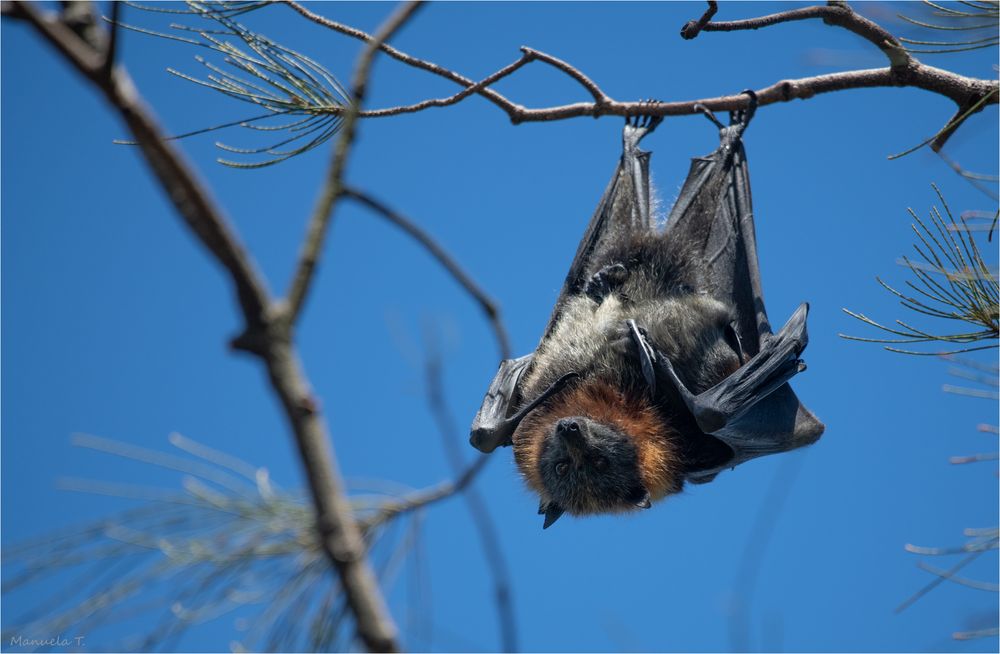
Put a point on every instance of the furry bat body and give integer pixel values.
(658, 365)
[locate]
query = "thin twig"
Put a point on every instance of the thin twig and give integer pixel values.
(481, 518)
(347, 30)
(904, 68)
(600, 98)
(692, 28)
(452, 99)
(835, 13)
(112, 49)
(938, 581)
(423, 498)
(486, 303)
(333, 186)
(768, 514)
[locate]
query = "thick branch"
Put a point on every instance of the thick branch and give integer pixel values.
(486, 303)
(267, 333)
(332, 187)
(175, 175)
(339, 531)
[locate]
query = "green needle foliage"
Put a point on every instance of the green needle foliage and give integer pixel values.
(951, 281)
(968, 26)
(302, 102)
(232, 544)
(979, 541)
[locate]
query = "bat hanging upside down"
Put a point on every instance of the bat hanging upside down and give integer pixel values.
(658, 364)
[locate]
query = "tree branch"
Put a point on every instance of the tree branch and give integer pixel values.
(904, 70)
(461, 80)
(971, 95)
(112, 50)
(331, 191)
(267, 332)
(835, 13)
(486, 303)
(943, 82)
(174, 173)
(478, 509)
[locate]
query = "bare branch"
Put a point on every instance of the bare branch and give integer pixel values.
(960, 116)
(835, 13)
(175, 174)
(478, 509)
(903, 71)
(929, 78)
(428, 496)
(267, 333)
(329, 194)
(489, 94)
(600, 98)
(453, 99)
(905, 68)
(111, 51)
(692, 28)
(487, 303)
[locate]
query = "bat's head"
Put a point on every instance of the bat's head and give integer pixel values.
(593, 450)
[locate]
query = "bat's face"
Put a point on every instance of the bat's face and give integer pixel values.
(593, 449)
(590, 467)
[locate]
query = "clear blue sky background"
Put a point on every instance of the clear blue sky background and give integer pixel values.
(115, 321)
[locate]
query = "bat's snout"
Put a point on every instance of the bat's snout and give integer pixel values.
(570, 432)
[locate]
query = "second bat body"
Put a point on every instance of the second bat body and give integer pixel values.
(658, 365)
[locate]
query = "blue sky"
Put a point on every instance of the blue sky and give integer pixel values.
(115, 321)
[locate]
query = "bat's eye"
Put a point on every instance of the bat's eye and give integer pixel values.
(562, 468)
(601, 464)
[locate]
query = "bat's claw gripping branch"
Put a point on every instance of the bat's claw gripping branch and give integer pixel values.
(638, 126)
(738, 119)
(742, 117)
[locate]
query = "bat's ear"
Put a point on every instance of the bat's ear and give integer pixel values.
(552, 512)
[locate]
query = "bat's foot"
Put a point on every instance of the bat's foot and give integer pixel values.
(739, 118)
(742, 116)
(641, 124)
(605, 282)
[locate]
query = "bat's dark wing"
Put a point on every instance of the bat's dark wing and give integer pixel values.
(623, 208)
(754, 410)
